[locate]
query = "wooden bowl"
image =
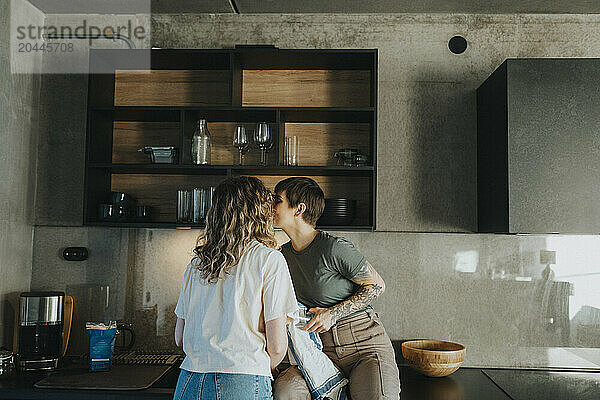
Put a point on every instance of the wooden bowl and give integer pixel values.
(433, 357)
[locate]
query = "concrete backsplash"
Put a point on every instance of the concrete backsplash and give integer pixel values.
(489, 292)
(486, 291)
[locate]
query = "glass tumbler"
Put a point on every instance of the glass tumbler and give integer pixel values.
(199, 205)
(291, 150)
(184, 205)
(303, 317)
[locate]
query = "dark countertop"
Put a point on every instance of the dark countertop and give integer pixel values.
(20, 386)
(464, 384)
(542, 385)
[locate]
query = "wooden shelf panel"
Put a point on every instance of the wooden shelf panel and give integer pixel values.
(306, 88)
(318, 142)
(129, 136)
(160, 191)
(172, 88)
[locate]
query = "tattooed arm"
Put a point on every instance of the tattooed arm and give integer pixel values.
(370, 287)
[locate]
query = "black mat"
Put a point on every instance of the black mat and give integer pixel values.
(120, 377)
(546, 385)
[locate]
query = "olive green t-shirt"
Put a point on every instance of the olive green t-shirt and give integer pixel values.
(322, 272)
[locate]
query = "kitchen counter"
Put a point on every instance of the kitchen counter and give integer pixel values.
(20, 386)
(542, 385)
(464, 384)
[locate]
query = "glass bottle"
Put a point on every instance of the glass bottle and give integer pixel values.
(201, 143)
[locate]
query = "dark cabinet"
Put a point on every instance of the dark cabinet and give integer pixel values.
(538, 147)
(326, 98)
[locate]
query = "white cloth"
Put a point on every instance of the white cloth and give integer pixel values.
(324, 379)
(225, 321)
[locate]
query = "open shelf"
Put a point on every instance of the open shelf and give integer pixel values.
(327, 98)
(356, 187)
(159, 191)
(222, 124)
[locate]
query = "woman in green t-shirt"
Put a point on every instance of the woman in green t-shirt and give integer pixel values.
(335, 281)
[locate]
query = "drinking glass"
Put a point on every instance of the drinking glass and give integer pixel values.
(291, 150)
(184, 205)
(240, 140)
(303, 317)
(264, 139)
(199, 205)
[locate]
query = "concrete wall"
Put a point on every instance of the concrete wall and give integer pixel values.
(446, 285)
(18, 155)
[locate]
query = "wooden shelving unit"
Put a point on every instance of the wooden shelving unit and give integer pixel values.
(325, 97)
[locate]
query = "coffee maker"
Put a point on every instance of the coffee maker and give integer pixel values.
(43, 330)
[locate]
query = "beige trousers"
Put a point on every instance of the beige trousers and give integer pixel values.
(362, 350)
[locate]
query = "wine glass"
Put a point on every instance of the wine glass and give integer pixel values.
(240, 140)
(264, 139)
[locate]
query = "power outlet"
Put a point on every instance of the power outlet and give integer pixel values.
(547, 257)
(75, 253)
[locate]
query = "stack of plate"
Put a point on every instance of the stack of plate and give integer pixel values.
(338, 212)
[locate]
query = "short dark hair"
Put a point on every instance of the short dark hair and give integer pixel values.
(304, 190)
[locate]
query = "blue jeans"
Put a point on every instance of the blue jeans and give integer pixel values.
(218, 386)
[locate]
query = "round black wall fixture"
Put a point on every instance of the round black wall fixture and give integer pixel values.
(457, 44)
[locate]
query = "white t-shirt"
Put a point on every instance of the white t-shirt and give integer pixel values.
(225, 321)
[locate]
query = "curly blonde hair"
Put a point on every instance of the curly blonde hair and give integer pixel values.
(242, 211)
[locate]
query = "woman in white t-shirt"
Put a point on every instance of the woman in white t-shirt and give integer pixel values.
(235, 297)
